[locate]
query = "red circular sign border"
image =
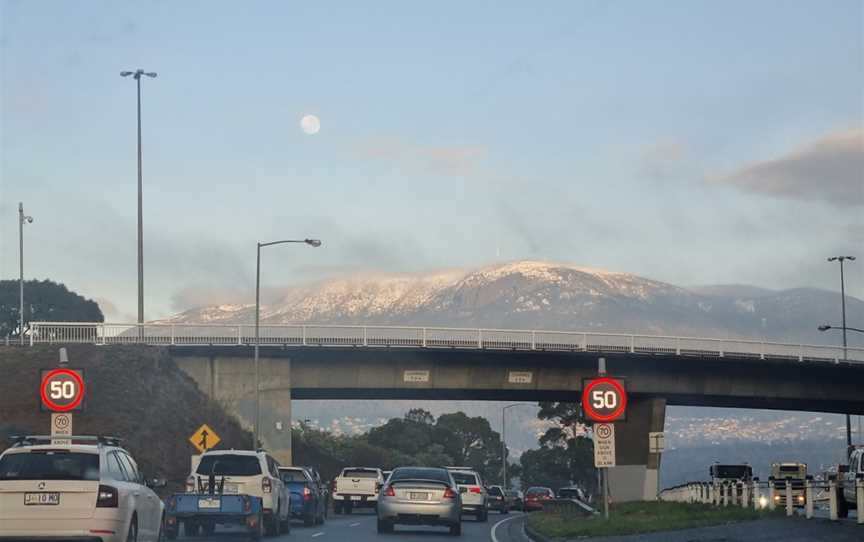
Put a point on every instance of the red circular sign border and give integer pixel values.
(51, 404)
(587, 406)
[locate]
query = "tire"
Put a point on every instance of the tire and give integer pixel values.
(842, 505)
(190, 528)
(286, 525)
(456, 529)
(505, 510)
(384, 527)
(309, 521)
(337, 508)
(132, 535)
(348, 509)
(208, 528)
(483, 516)
(259, 532)
(271, 527)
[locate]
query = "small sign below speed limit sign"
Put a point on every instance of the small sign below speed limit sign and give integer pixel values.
(604, 399)
(62, 390)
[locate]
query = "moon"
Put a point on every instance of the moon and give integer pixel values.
(310, 124)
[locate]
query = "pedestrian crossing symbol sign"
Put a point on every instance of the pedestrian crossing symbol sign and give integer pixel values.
(204, 438)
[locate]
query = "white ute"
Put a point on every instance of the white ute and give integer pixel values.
(88, 490)
(357, 487)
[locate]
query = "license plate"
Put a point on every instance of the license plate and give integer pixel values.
(31, 499)
(419, 496)
(356, 498)
(209, 503)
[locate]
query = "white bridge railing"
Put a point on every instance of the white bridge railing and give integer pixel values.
(426, 337)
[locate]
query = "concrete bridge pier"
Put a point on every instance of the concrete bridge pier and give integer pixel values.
(275, 386)
(635, 476)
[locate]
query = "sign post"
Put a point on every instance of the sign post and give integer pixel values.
(656, 445)
(604, 401)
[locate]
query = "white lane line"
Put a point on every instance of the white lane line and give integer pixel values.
(317, 534)
(495, 527)
(354, 524)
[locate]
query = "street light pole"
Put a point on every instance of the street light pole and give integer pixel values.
(137, 74)
(310, 242)
(841, 259)
(504, 440)
(21, 219)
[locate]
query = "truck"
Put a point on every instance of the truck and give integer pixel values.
(357, 487)
(731, 473)
(847, 498)
(792, 473)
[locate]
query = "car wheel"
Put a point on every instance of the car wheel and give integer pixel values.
(309, 520)
(348, 508)
(132, 535)
(337, 508)
(483, 516)
(384, 527)
(208, 528)
(842, 505)
(190, 528)
(271, 527)
(505, 510)
(456, 529)
(259, 528)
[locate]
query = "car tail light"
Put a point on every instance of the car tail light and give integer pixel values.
(474, 489)
(449, 493)
(307, 494)
(247, 504)
(266, 485)
(107, 497)
(389, 492)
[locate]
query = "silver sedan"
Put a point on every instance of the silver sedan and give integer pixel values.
(420, 496)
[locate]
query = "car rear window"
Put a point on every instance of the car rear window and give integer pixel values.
(464, 478)
(293, 476)
(494, 490)
(420, 474)
(229, 465)
(568, 493)
(538, 491)
(359, 473)
(50, 465)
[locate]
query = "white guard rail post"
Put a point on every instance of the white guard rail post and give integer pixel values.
(832, 500)
(745, 494)
(790, 502)
(756, 494)
(859, 493)
(771, 500)
(808, 497)
(725, 494)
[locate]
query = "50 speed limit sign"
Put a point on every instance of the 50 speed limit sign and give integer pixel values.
(62, 390)
(604, 399)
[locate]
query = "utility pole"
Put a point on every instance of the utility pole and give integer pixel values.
(21, 219)
(841, 259)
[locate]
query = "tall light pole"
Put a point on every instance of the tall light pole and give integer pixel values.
(504, 439)
(137, 74)
(310, 242)
(841, 259)
(826, 327)
(22, 218)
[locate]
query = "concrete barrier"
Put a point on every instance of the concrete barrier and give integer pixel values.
(859, 493)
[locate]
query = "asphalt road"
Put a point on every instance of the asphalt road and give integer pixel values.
(361, 527)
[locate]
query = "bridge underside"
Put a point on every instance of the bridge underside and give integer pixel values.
(653, 382)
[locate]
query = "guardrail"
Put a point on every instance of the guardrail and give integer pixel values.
(426, 337)
(771, 495)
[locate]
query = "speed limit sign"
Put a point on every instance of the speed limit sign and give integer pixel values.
(62, 390)
(604, 399)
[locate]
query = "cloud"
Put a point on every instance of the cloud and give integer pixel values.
(830, 169)
(451, 160)
(664, 161)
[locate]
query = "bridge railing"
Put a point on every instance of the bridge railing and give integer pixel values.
(428, 337)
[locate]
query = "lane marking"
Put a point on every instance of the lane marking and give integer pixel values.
(317, 534)
(354, 524)
(495, 527)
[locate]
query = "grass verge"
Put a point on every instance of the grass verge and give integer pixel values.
(640, 517)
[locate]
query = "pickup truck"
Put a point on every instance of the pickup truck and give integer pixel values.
(846, 491)
(357, 487)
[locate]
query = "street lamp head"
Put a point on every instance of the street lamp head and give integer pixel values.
(833, 259)
(150, 74)
(850, 258)
(126, 74)
(313, 242)
(824, 327)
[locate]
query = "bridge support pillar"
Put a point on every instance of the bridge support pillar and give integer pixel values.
(275, 432)
(635, 476)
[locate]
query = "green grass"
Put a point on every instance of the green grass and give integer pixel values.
(640, 517)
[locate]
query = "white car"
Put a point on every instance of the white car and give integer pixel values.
(89, 490)
(473, 493)
(246, 472)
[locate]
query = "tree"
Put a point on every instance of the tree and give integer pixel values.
(44, 300)
(470, 442)
(420, 416)
(545, 466)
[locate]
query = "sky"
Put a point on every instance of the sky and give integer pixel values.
(693, 142)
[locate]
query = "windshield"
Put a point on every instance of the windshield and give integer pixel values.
(295, 475)
(54, 465)
(419, 474)
(534, 491)
(732, 471)
(229, 465)
(359, 473)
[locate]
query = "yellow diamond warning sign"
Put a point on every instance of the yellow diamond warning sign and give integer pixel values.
(204, 438)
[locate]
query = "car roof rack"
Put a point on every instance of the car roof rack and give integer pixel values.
(30, 440)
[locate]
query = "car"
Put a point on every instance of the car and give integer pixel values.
(515, 499)
(356, 487)
(474, 497)
(308, 503)
(497, 499)
(572, 493)
(536, 496)
(246, 472)
(89, 488)
(420, 496)
(847, 498)
(323, 487)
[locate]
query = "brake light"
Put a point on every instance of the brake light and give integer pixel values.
(107, 497)
(389, 492)
(266, 485)
(474, 489)
(449, 494)
(247, 504)
(307, 494)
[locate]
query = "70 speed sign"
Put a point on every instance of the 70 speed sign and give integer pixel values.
(604, 399)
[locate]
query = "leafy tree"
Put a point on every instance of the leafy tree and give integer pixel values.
(44, 300)
(545, 466)
(420, 416)
(470, 442)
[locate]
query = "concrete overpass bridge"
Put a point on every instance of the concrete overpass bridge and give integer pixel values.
(354, 362)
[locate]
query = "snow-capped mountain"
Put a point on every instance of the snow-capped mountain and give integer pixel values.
(543, 295)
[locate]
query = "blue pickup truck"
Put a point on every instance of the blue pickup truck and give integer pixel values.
(308, 498)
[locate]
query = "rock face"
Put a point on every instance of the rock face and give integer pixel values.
(542, 295)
